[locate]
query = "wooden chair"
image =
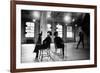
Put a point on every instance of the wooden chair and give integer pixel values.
(58, 47)
(44, 52)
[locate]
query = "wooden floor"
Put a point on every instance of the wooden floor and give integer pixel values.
(70, 51)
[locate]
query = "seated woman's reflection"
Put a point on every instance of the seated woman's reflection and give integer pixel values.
(59, 43)
(45, 45)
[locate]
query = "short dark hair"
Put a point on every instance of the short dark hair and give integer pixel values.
(56, 33)
(49, 32)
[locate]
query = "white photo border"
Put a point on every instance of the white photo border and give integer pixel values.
(20, 65)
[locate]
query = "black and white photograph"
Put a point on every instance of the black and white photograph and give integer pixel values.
(50, 36)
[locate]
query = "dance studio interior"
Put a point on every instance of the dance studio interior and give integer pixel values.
(67, 24)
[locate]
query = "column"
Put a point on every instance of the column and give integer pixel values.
(43, 24)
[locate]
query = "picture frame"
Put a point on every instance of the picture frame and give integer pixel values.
(42, 6)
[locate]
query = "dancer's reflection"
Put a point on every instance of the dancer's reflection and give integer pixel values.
(38, 45)
(81, 37)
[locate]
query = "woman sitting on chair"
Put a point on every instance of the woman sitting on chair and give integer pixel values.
(59, 43)
(38, 45)
(47, 41)
(45, 45)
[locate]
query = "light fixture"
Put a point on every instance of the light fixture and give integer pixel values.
(36, 14)
(34, 20)
(66, 24)
(73, 20)
(48, 14)
(75, 25)
(67, 18)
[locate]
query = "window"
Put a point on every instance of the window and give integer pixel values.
(59, 30)
(48, 27)
(29, 29)
(69, 32)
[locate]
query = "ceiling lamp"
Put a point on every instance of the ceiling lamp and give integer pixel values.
(36, 14)
(67, 18)
(48, 14)
(73, 20)
(34, 20)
